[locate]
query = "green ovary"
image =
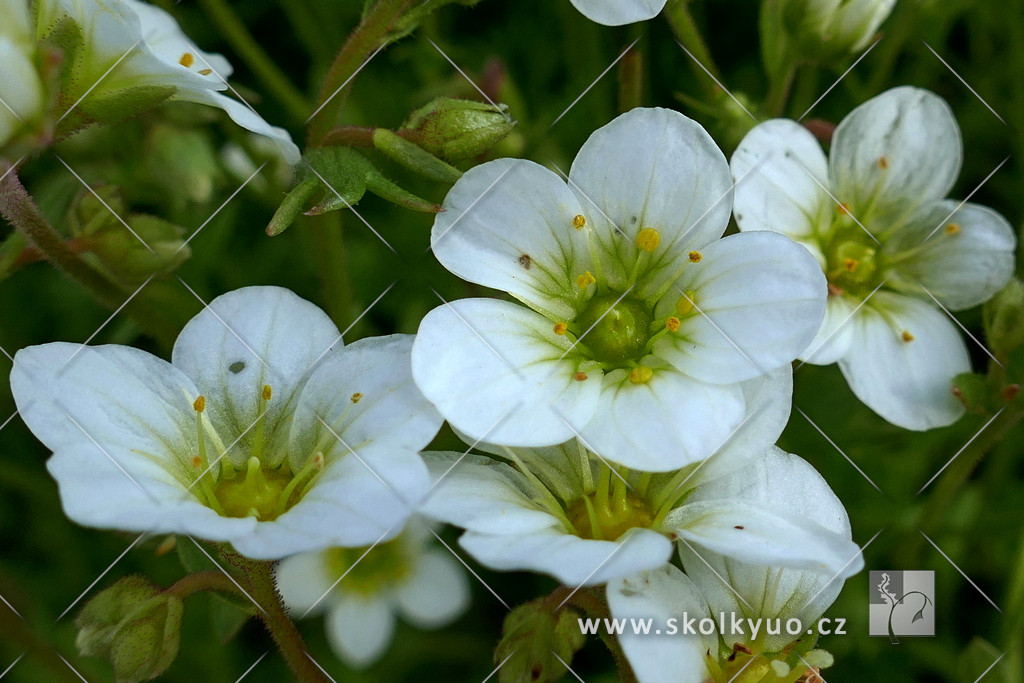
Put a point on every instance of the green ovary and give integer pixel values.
(598, 519)
(384, 565)
(621, 329)
(853, 262)
(255, 493)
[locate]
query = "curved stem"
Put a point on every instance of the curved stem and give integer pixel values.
(688, 34)
(210, 580)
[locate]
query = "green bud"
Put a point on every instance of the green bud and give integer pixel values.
(183, 161)
(414, 157)
(973, 391)
(818, 31)
(1004, 319)
(534, 639)
(458, 130)
(135, 625)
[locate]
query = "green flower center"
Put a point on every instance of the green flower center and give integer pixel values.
(854, 262)
(618, 329)
(603, 519)
(369, 570)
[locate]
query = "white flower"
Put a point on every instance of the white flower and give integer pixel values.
(840, 26)
(640, 322)
(892, 162)
(619, 12)
(21, 93)
(363, 590)
(150, 51)
(262, 431)
(563, 511)
(760, 590)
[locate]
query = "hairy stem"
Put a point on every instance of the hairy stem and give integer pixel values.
(210, 580)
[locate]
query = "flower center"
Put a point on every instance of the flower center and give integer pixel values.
(369, 570)
(853, 262)
(602, 519)
(619, 328)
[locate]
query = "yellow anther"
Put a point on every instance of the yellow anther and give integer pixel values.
(641, 375)
(197, 462)
(696, 256)
(952, 229)
(585, 280)
(672, 323)
(684, 306)
(843, 209)
(850, 264)
(579, 221)
(200, 404)
(906, 336)
(356, 397)
(187, 60)
(267, 392)
(318, 460)
(580, 377)
(205, 72)
(561, 328)
(648, 239)
(883, 163)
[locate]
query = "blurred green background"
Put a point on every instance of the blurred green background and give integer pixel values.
(537, 56)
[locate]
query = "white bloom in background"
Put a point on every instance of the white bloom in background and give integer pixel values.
(619, 12)
(564, 511)
(362, 591)
(892, 240)
(150, 51)
(838, 25)
(262, 431)
(21, 93)
(639, 321)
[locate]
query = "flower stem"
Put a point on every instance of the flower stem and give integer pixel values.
(595, 606)
(680, 20)
(779, 90)
(233, 29)
(210, 580)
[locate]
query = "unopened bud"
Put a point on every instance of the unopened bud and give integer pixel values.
(821, 31)
(537, 644)
(1004, 319)
(457, 130)
(183, 161)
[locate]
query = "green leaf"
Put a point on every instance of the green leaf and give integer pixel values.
(975, 659)
(228, 618)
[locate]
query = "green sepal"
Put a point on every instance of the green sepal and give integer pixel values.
(414, 157)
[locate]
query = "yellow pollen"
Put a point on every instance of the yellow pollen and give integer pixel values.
(197, 462)
(696, 256)
(685, 304)
(648, 239)
(356, 397)
(318, 460)
(907, 337)
(850, 264)
(580, 377)
(843, 209)
(672, 324)
(579, 221)
(187, 60)
(641, 375)
(561, 328)
(883, 163)
(952, 229)
(200, 404)
(267, 392)
(205, 72)
(585, 280)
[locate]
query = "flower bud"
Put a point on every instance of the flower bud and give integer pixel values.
(1004, 319)
(533, 641)
(183, 161)
(21, 91)
(133, 624)
(457, 130)
(823, 31)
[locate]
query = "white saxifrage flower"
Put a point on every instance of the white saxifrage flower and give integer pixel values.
(564, 511)
(619, 12)
(362, 591)
(894, 249)
(125, 45)
(262, 431)
(639, 321)
(21, 93)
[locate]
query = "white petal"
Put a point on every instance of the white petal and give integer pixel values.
(652, 168)
(21, 94)
(389, 413)
(246, 339)
(835, 335)
(665, 424)
(572, 560)
(482, 495)
(961, 255)
(164, 37)
(915, 133)
(759, 299)
(906, 382)
(661, 594)
(437, 592)
(245, 117)
(495, 371)
(618, 12)
(304, 582)
(508, 225)
(781, 172)
(360, 629)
